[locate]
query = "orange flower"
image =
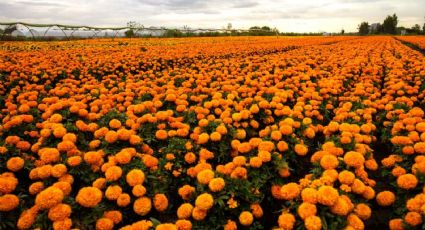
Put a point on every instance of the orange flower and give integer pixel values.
(286, 221)
(104, 224)
(113, 173)
(306, 210)
(15, 164)
(113, 215)
(184, 211)
(407, 181)
(204, 201)
(216, 184)
(246, 218)
(111, 137)
(354, 159)
(301, 149)
(385, 198)
(327, 195)
(290, 191)
(8, 202)
(329, 162)
(142, 206)
(89, 197)
(160, 202)
(135, 177)
(113, 192)
(313, 223)
(205, 176)
(115, 124)
(49, 155)
(49, 197)
(59, 212)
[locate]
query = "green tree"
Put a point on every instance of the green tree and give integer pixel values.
(416, 29)
(390, 24)
(363, 28)
(342, 32)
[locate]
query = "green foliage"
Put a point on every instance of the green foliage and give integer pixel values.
(390, 24)
(363, 28)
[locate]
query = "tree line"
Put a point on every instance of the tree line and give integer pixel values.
(389, 26)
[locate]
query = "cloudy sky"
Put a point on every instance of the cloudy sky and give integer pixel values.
(286, 15)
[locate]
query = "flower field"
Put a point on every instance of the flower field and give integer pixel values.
(213, 133)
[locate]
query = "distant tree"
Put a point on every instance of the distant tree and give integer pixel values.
(229, 26)
(390, 24)
(423, 29)
(364, 28)
(129, 33)
(133, 26)
(266, 28)
(342, 32)
(416, 29)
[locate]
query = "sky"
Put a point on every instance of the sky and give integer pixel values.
(285, 15)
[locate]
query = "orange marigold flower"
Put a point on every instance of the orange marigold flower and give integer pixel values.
(113, 215)
(166, 226)
(199, 214)
(290, 191)
(113, 192)
(104, 224)
(183, 225)
(215, 136)
(246, 218)
(203, 138)
(313, 223)
(59, 212)
(327, 195)
(301, 149)
(306, 210)
(309, 195)
(184, 211)
(36, 187)
(113, 173)
(49, 197)
(111, 137)
(115, 124)
(346, 177)
(363, 211)
(205, 176)
(142, 206)
(396, 224)
(160, 202)
(15, 164)
(49, 155)
(341, 207)
(385, 198)
(355, 222)
(89, 197)
(329, 162)
(27, 218)
(204, 201)
(256, 209)
(413, 218)
(8, 202)
(407, 181)
(186, 191)
(216, 184)
(135, 177)
(354, 159)
(230, 225)
(286, 221)
(123, 200)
